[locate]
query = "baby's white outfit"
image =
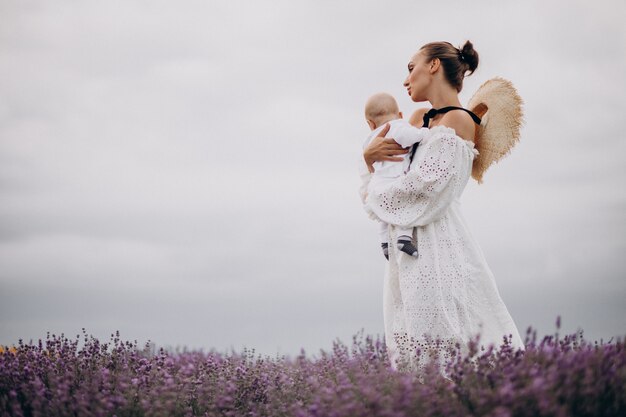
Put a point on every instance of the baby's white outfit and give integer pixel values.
(406, 135)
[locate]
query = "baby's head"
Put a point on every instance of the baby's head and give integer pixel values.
(381, 108)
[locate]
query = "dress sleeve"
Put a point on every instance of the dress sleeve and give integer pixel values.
(437, 176)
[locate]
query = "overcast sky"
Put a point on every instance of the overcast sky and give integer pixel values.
(185, 172)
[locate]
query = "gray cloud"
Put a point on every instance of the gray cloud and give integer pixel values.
(187, 173)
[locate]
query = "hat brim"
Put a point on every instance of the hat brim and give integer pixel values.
(499, 106)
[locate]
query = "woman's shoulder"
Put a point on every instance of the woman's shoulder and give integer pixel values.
(417, 118)
(461, 122)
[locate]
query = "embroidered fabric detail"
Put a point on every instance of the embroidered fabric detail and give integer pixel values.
(439, 174)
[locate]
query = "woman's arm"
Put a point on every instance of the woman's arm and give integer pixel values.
(382, 149)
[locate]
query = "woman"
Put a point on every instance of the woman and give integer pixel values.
(448, 294)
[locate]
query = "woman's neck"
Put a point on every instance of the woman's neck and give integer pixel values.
(444, 98)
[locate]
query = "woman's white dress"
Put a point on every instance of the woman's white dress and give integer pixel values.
(448, 292)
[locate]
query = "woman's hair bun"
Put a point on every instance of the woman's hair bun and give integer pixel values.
(469, 56)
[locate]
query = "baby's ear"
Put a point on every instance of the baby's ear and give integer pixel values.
(400, 114)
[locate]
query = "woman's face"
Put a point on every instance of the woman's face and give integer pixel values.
(419, 77)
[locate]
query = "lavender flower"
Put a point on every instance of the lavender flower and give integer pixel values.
(558, 376)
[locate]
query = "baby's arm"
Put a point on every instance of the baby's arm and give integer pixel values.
(407, 135)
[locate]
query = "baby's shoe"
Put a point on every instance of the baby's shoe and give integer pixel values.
(385, 247)
(405, 244)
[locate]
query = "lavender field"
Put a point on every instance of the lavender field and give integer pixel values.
(556, 376)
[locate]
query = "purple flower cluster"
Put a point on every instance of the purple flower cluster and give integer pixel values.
(556, 377)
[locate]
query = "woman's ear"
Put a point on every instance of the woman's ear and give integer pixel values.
(434, 65)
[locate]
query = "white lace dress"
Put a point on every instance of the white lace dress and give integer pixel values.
(448, 292)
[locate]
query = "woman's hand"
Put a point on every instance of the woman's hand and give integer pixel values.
(382, 149)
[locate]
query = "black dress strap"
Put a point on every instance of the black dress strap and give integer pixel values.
(430, 114)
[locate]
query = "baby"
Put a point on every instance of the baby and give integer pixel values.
(380, 109)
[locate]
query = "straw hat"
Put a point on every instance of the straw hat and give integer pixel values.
(499, 106)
